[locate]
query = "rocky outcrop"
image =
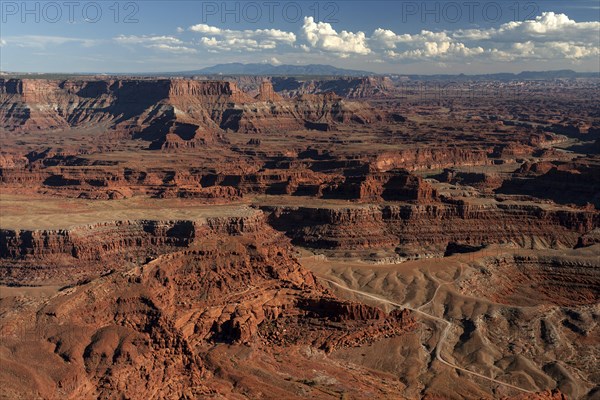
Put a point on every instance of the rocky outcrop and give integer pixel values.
(590, 238)
(551, 279)
(267, 93)
(157, 330)
(485, 182)
(170, 113)
(80, 252)
(574, 182)
(428, 229)
(342, 179)
(430, 158)
(546, 395)
(394, 185)
(317, 112)
(352, 88)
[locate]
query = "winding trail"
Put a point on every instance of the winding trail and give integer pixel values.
(440, 284)
(443, 337)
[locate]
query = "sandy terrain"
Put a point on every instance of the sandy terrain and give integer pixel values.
(463, 328)
(37, 212)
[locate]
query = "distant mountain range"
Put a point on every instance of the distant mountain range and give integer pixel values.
(276, 70)
(328, 70)
(521, 76)
(315, 71)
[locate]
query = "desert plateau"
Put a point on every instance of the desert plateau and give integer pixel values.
(182, 238)
(285, 230)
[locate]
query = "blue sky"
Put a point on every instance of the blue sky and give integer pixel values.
(464, 36)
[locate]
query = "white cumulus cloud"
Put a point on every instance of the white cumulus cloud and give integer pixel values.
(549, 36)
(322, 36)
(424, 45)
(217, 39)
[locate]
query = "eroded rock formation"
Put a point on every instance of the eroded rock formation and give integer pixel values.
(155, 330)
(170, 113)
(125, 271)
(419, 230)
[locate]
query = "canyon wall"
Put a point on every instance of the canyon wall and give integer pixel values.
(429, 229)
(353, 88)
(84, 251)
(159, 330)
(192, 111)
(341, 179)
(573, 182)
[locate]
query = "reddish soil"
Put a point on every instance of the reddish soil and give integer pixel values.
(275, 238)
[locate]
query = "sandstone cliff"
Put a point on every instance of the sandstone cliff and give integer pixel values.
(84, 251)
(428, 229)
(169, 113)
(165, 328)
(353, 88)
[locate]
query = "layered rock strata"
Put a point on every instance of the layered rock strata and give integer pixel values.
(160, 329)
(80, 252)
(428, 229)
(169, 113)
